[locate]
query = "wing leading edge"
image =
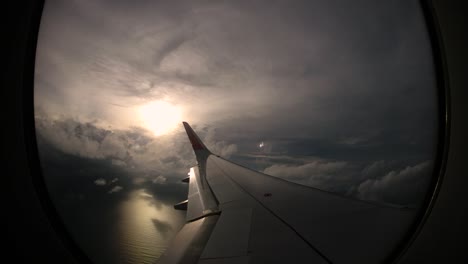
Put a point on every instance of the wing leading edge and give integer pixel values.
(237, 215)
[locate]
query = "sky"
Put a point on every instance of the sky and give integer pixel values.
(337, 95)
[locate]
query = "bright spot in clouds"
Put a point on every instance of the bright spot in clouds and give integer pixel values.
(160, 117)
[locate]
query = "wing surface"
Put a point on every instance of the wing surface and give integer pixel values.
(237, 215)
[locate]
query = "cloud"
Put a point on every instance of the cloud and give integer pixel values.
(130, 148)
(305, 76)
(84, 207)
(405, 186)
(100, 182)
(80, 171)
(392, 182)
(214, 143)
(304, 66)
(309, 170)
(159, 180)
(114, 180)
(373, 169)
(223, 149)
(319, 173)
(116, 189)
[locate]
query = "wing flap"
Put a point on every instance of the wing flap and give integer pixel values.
(201, 201)
(230, 238)
(189, 243)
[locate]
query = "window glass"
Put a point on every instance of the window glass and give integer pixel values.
(338, 95)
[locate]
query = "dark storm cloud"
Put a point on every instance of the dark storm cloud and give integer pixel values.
(127, 156)
(405, 186)
(132, 149)
(329, 175)
(397, 181)
(389, 182)
(73, 181)
(330, 54)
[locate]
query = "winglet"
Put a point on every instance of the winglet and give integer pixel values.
(197, 144)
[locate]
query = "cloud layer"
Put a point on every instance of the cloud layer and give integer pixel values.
(405, 186)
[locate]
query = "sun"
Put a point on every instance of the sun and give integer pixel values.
(160, 117)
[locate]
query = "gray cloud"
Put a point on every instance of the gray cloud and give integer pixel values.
(391, 182)
(159, 180)
(318, 173)
(220, 147)
(116, 189)
(68, 177)
(131, 148)
(100, 182)
(405, 186)
(315, 67)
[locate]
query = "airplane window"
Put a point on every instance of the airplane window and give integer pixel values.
(340, 96)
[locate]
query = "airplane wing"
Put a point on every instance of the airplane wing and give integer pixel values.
(237, 215)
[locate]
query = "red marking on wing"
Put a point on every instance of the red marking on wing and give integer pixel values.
(194, 139)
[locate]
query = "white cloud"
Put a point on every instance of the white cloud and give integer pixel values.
(116, 189)
(219, 147)
(100, 182)
(225, 150)
(159, 180)
(114, 180)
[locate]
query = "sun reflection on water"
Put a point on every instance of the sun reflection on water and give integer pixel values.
(146, 226)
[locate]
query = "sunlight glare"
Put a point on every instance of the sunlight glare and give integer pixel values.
(160, 117)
